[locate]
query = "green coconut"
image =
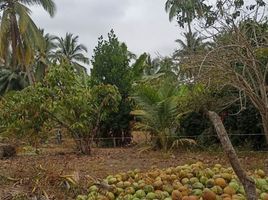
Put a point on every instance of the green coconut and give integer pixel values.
(264, 196)
(81, 197)
(110, 196)
(217, 189)
(168, 188)
(148, 188)
(151, 196)
(127, 184)
(93, 188)
(194, 180)
(165, 194)
(135, 185)
(203, 180)
(210, 183)
(140, 194)
(185, 181)
(241, 190)
(260, 182)
(120, 184)
(119, 191)
(112, 180)
(238, 197)
(197, 192)
(128, 196)
(168, 198)
(198, 186)
(234, 185)
(264, 188)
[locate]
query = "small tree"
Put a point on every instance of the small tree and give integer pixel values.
(111, 65)
(159, 107)
(64, 99)
(238, 58)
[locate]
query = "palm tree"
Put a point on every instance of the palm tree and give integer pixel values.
(18, 31)
(158, 110)
(185, 11)
(68, 50)
(192, 44)
(44, 55)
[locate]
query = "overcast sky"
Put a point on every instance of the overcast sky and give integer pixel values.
(142, 24)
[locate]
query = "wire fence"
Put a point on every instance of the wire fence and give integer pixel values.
(245, 140)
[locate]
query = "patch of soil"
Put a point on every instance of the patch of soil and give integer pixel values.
(45, 174)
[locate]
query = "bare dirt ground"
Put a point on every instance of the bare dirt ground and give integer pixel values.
(45, 174)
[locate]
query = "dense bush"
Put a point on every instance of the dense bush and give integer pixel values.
(241, 128)
(63, 99)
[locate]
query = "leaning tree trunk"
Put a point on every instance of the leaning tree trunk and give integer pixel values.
(248, 183)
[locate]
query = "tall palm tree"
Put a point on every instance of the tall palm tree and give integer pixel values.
(190, 44)
(185, 11)
(69, 50)
(44, 55)
(18, 31)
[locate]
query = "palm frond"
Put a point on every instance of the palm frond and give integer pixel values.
(48, 5)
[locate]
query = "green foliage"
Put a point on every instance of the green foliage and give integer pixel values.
(230, 11)
(10, 80)
(22, 114)
(192, 44)
(68, 50)
(111, 65)
(243, 126)
(160, 107)
(18, 31)
(44, 56)
(62, 99)
(186, 11)
(193, 124)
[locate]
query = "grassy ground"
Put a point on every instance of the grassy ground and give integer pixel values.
(48, 172)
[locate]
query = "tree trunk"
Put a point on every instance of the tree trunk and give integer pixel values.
(17, 44)
(248, 183)
(30, 76)
(14, 41)
(85, 146)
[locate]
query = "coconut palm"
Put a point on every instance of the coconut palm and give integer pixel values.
(44, 55)
(190, 44)
(69, 50)
(158, 110)
(18, 31)
(185, 11)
